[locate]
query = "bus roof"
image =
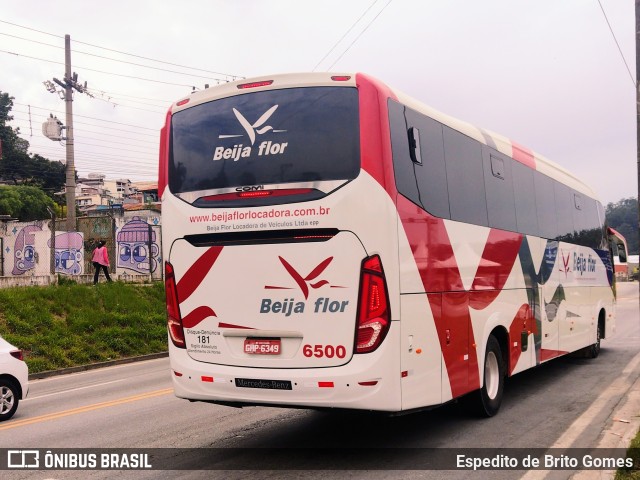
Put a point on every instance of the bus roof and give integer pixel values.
(293, 80)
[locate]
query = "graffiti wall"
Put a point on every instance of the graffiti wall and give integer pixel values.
(25, 250)
(94, 229)
(133, 242)
(138, 249)
(69, 253)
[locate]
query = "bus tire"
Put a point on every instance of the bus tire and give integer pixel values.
(486, 401)
(592, 351)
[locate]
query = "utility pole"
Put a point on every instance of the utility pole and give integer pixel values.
(69, 84)
(638, 110)
(71, 170)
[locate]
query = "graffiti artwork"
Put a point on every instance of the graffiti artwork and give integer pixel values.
(24, 250)
(69, 253)
(137, 247)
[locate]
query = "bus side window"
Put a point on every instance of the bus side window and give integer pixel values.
(465, 178)
(545, 206)
(498, 180)
(431, 173)
(403, 167)
(564, 213)
(586, 222)
(604, 245)
(525, 199)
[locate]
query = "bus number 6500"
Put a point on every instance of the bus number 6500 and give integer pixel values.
(328, 351)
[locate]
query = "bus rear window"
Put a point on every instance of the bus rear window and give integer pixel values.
(278, 136)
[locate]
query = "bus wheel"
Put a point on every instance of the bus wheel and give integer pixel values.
(486, 401)
(592, 351)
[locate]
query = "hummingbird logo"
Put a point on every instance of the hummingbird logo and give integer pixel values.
(565, 262)
(305, 282)
(255, 128)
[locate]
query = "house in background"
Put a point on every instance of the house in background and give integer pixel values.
(96, 194)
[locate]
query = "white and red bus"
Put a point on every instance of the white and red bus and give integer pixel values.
(330, 242)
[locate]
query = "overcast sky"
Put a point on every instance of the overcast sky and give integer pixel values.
(546, 73)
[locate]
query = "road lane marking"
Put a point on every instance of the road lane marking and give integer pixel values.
(96, 370)
(74, 389)
(86, 408)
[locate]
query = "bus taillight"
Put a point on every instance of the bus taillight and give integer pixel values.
(373, 306)
(174, 321)
(262, 83)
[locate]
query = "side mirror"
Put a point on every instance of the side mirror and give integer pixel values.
(622, 253)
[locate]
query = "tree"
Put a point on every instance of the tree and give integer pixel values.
(25, 203)
(17, 166)
(623, 216)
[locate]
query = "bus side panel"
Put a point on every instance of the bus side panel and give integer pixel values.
(576, 324)
(608, 304)
(467, 273)
(420, 353)
(510, 313)
(421, 356)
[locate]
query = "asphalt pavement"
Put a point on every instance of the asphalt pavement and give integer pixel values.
(621, 427)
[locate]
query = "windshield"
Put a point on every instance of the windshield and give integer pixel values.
(277, 136)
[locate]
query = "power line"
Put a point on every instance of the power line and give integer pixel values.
(112, 59)
(125, 53)
(132, 96)
(118, 104)
(115, 142)
(84, 116)
(98, 71)
(358, 37)
(114, 159)
(119, 167)
(109, 96)
(112, 148)
(21, 119)
(81, 130)
(146, 158)
(617, 44)
(345, 34)
(122, 168)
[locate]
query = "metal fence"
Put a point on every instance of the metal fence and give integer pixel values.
(37, 251)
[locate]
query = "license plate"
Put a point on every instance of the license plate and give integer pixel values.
(260, 346)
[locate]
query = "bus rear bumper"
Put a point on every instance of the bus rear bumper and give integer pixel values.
(364, 383)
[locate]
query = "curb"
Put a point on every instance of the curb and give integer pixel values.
(622, 427)
(92, 366)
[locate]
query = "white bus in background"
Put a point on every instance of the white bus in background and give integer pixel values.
(332, 243)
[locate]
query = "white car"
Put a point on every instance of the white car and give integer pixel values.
(14, 379)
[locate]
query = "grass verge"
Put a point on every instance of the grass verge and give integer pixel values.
(67, 325)
(633, 452)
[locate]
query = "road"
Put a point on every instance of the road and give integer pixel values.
(132, 406)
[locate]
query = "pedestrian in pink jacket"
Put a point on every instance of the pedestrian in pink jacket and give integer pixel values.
(100, 262)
